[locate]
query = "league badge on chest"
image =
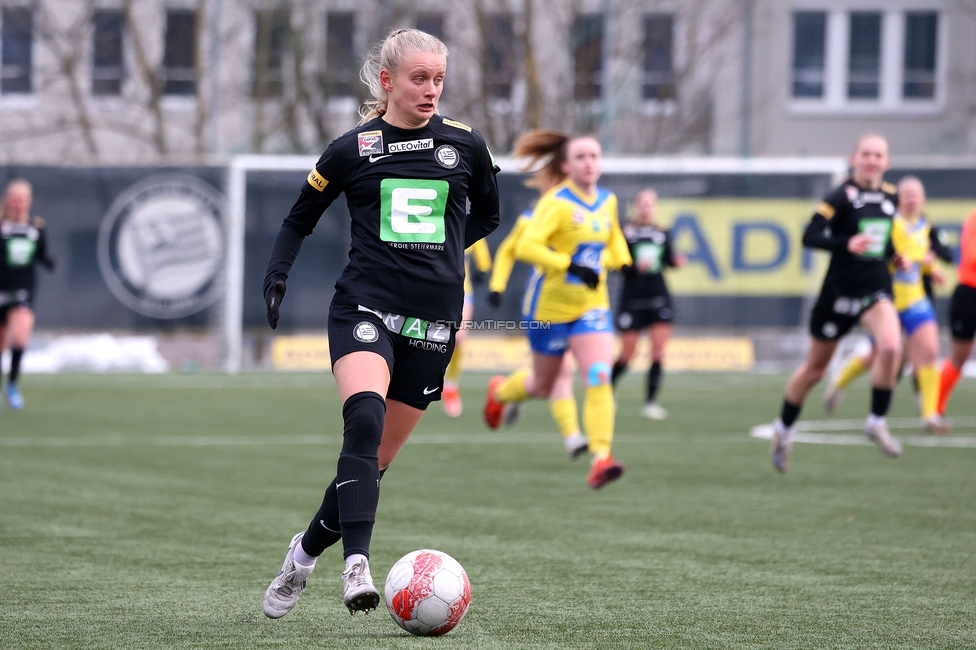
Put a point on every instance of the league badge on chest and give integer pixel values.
(370, 143)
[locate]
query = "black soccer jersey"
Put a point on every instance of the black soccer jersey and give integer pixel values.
(650, 248)
(406, 192)
(24, 246)
(846, 211)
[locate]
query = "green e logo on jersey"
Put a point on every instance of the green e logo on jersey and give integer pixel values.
(879, 230)
(412, 210)
(20, 251)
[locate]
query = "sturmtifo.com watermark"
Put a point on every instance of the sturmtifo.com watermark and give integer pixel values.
(488, 325)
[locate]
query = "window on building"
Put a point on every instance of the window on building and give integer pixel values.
(18, 35)
(499, 53)
(659, 81)
(271, 31)
(587, 48)
(920, 39)
(809, 34)
(864, 62)
(431, 22)
(107, 62)
(180, 53)
(340, 72)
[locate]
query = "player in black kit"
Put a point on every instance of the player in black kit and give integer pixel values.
(24, 246)
(407, 174)
(645, 303)
(854, 223)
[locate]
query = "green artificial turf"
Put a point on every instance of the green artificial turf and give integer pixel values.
(151, 512)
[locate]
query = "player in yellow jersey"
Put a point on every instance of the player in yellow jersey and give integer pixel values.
(482, 263)
(910, 237)
(562, 400)
(574, 237)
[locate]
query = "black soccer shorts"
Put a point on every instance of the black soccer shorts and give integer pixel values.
(834, 315)
(416, 351)
(962, 313)
(657, 310)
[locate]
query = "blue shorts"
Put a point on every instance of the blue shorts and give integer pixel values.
(554, 340)
(916, 316)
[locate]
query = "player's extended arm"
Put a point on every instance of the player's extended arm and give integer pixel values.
(816, 235)
(533, 246)
(936, 245)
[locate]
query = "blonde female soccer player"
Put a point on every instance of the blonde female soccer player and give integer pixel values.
(573, 237)
(24, 246)
(853, 222)
(910, 238)
(645, 302)
(408, 175)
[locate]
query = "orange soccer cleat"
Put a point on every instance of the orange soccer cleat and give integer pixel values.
(452, 401)
(493, 408)
(603, 471)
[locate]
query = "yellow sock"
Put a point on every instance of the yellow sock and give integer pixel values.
(928, 388)
(851, 371)
(564, 413)
(513, 390)
(598, 419)
(454, 367)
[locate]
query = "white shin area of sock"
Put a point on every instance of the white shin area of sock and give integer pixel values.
(354, 559)
(301, 557)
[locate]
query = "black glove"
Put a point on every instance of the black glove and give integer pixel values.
(495, 299)
(630, 271)
(273, 299)
(589, 277)
(477, 277)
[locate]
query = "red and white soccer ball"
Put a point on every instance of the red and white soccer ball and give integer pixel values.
(427, 592)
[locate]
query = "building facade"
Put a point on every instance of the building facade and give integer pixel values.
(191, 81)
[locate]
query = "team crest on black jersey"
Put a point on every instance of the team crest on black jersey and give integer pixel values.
(366, 332)
(447, 156)
(370, 143)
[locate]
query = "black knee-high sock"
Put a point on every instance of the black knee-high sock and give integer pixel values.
(653, 380)
(358, 470)
(324, 529)
(15, 355)
(789, 413)
(619, 368)
(880, 401)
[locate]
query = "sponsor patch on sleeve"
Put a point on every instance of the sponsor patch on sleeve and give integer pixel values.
(826, 210)
(316, 180)
(457, 125)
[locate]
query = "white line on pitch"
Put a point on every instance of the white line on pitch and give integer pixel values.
(765, 431)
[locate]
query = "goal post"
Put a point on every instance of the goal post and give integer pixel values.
(232, 312)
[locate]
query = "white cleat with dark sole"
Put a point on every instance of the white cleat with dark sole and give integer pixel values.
(878, 434)
(833, 396)
(781, 447)
(283, 592)
(576, 445)
(358, 592)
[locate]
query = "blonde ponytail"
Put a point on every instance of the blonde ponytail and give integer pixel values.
(546, 147)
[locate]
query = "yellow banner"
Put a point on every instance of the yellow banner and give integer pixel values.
(508, 353)
(754, 246)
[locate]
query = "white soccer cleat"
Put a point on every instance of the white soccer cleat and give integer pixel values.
(878, 434)
(936, 424)
(512, 413)
(576, 445)
(358, 592)
(833, 397)
(283, 592)
(781, 446)
(654, 411)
